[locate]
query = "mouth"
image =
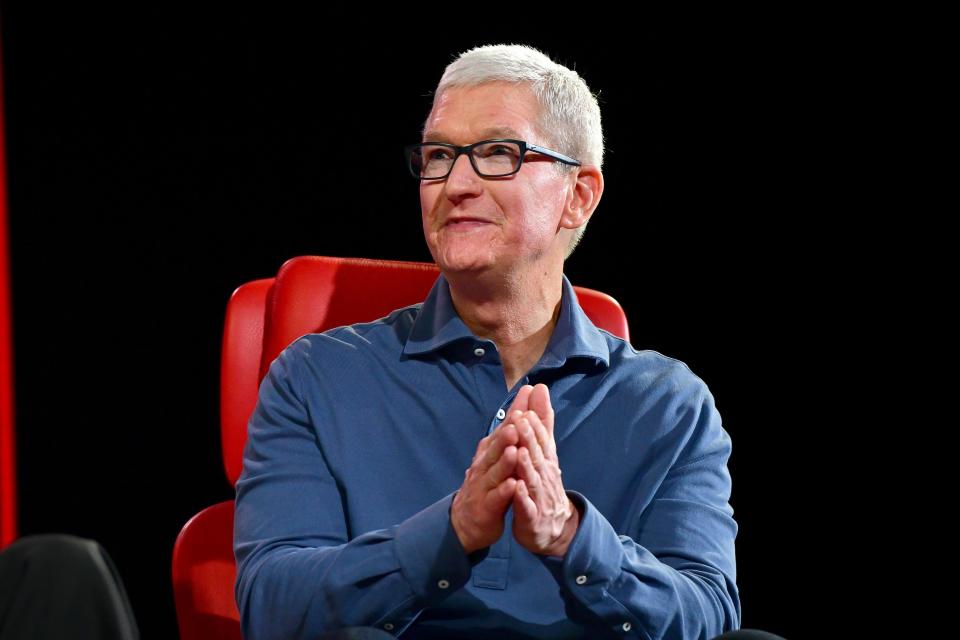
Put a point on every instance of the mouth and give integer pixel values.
(465, 223)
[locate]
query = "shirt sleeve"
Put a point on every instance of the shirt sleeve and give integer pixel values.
(676, 577)
(297, 573)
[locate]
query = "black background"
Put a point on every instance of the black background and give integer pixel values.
(159, 160)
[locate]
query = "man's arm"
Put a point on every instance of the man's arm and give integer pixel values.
(677, 577)
(297, 573)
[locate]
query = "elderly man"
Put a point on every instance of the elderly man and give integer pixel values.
(595, 496)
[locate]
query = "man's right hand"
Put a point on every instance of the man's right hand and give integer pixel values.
(489, 484)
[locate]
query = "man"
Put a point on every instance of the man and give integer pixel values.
(595, 496)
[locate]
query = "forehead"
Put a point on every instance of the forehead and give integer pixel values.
(463, 115)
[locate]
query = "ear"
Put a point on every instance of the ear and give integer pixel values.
(586, 187)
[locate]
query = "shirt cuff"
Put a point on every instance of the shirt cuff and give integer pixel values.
(430, 554)
(594, 557)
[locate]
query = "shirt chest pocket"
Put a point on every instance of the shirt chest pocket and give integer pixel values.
(491, 573)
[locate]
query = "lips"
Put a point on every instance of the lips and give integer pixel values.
(465, 219)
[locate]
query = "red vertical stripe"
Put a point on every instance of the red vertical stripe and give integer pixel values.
(8, 475)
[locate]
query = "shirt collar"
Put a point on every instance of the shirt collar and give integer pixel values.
(574, 336)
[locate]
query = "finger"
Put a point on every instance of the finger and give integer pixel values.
(539, 401)
(530, 476)
(524, 508)
(542, 479)
(503, 469)
(514, 416)
(544, 437)
(484, 445)
(501, 495)
(479, 457)
(521, 402)
(548, 466)
(505, 436)
(528, 438)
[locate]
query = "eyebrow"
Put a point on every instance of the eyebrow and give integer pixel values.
(486, 134)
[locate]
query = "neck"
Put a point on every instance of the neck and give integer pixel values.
(518, 314)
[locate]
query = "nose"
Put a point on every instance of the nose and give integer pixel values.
(463, 181)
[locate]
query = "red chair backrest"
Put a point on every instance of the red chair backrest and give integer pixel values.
(312, 294)
(309, 294)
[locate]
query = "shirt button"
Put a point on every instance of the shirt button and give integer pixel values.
(627, 626)
(443, 584)
(388, 626)
(581, 579)
(478, 352)
(501, 414)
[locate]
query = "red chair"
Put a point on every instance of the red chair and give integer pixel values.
(309, 294)
(8, 470)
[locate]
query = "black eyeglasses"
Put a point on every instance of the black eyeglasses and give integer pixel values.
(490, 158)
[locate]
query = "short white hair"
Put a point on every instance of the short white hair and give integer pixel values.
(569, 112)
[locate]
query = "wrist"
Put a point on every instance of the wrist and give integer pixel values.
(457, 529)
(569, 531)
(467, 547)
(470, 545)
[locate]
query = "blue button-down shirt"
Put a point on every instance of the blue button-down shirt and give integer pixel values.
(360, 440)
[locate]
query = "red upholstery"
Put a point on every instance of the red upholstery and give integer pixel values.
(309, 294)
(240, 367)
(354, 290)
(8, 474)
(204, 571)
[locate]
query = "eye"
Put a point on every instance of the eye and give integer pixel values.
(437, 153)
(498, 149)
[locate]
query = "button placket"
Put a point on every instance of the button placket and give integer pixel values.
(501, 413)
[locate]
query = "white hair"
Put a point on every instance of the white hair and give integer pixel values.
(569, 112)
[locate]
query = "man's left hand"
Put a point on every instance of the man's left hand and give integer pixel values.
(544, 518)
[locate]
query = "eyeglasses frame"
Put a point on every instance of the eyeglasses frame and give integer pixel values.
(468, 149)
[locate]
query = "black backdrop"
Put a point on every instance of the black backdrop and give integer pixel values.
(157, 161)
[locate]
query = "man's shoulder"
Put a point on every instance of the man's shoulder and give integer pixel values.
(647, 369)
(666, 391)
(386, 333)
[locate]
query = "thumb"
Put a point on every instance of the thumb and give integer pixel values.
(500, 498)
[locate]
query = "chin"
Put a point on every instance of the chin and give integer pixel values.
(457, 256)
(462, 266)
(462, 263)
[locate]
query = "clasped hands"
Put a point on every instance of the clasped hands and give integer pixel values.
(517, 465)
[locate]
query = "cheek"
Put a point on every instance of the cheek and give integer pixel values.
(425, 201)
(428, 199)
(542, 207)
